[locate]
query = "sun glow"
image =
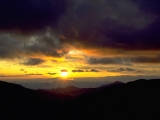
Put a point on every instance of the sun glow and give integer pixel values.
(64, 74)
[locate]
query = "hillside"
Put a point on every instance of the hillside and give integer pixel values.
(137, 99)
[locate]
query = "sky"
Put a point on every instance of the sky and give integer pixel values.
(76, 39)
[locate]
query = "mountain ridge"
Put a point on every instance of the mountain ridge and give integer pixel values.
(136, 99)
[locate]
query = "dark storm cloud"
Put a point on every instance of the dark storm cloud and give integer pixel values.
(122, 24)
(9, 47)
(130, 69)
(124, 60)
(145, 59)
(30, 14)
(117, 70)
(45, 46)
(33, 61)
(104, 60)
(95, 24)
(12, 46)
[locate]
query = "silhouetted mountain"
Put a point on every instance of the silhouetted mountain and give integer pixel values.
(111, 84)
(133, 100)
(66, 90)
(70, 90)
(17, 102)
(75, 91)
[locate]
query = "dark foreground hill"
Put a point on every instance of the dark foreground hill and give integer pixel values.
(134, 100)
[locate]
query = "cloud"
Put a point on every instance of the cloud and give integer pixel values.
(28, 15)
(33, 74)
(130, 69)
(94, 70)
(139, 71)
(22, 70)
(146, 59)
(38, 18)
(51, 28)
(7, 76)
(9, 47)
(88, 70)
(17, 46)
(45, 44)
(63, 70)
(97, 24)
(51, 73)
(79, 70)
(105, 60)
(123, 70)
(125, 60)
(33, 62)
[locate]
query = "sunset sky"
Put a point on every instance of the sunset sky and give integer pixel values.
(69, 39)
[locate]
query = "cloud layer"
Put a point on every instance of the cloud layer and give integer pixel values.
(30, 15)
(33, 61)
(51, 28)
(116, 24)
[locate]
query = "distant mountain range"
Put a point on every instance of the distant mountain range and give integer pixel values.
(73, 91)
(133, 100)
(58, 83)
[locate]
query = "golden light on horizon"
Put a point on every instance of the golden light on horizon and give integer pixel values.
(64, 74)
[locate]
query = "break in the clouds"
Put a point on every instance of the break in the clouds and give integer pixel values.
(51, 28)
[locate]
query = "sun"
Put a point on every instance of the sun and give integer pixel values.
(64, 74)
